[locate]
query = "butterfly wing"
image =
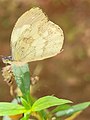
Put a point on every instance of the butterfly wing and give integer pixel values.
(35, 38)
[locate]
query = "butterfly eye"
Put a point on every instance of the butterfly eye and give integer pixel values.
(9, 57)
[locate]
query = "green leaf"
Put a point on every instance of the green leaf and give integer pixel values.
(22, 77)
(73, 109)
(81, 106)
(10, 109)
(25, 103)
(61, 107)
(48, 101)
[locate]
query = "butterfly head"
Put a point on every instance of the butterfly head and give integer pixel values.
(7, 60)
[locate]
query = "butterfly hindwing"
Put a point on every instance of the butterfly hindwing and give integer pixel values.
(34, 37)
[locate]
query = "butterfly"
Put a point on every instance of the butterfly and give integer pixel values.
(35, 37)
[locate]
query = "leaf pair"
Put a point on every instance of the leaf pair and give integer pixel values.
(40, 104)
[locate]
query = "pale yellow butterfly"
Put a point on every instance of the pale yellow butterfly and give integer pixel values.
(34, 37)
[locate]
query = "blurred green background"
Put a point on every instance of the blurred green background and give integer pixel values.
(66, 75)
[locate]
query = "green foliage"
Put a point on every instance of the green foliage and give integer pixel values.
(37, 108)
(66, 110)
(48, 101)
(22, 77)
(25, 103)
(10, 109)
